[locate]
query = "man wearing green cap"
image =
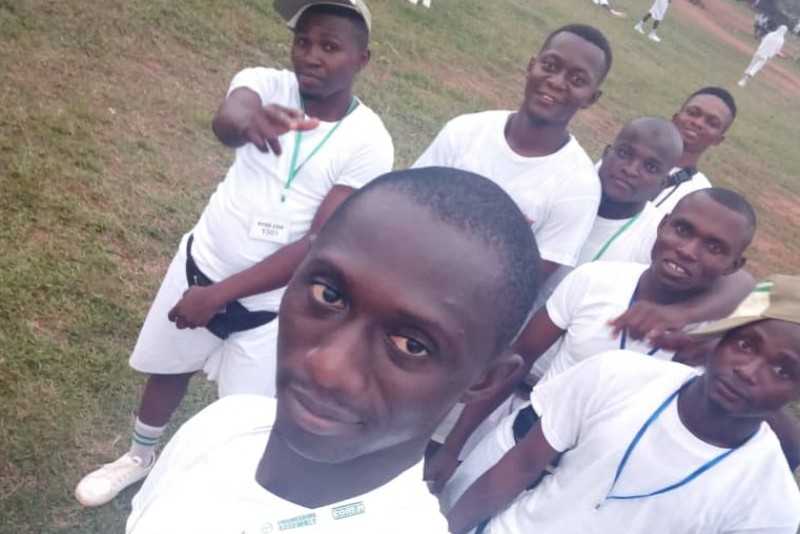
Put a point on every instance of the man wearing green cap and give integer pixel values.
(303, 144)
(654, 445)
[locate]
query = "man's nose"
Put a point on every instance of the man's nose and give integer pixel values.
(341, 361)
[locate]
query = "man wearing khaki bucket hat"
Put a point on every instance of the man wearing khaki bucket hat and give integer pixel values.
(641, 439)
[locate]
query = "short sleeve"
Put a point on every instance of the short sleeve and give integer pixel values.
(563, 303)
(565, 401)
(372, 157)
(263, 81)
(569, 221)
(202, 432)
(441, 152)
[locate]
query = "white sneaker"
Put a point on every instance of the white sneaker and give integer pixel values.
(415, 2)
(742, 82)
(653, 37)
(102, 485)
(639, 28)
(426, 3)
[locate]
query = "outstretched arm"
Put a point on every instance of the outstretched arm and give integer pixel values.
(501, 484)
(242, 119)
(654, 322)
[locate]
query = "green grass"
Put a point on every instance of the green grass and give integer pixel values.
(106, 158)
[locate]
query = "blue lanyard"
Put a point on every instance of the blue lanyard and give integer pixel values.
(696, 473)
(623, 338)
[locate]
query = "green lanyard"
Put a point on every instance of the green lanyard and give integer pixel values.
(294, 168)
(615, 236)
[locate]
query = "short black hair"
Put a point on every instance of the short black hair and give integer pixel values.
(359, 24)
(480, 208)
(720, 93)
(731, 200)
(589, 33)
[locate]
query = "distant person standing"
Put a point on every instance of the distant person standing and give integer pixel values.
(426, 3)
(605, 4)
(657, 12)
(770, 45)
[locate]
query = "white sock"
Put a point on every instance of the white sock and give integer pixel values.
(145, 439)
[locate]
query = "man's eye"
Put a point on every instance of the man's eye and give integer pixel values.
(409, 346)
(578, 81)
(651, 168)
(623, 153)
(681, 229)
(781, 371)
(744, 344)
(327, 295)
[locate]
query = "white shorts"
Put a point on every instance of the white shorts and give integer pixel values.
(659, 9)
(243, 363)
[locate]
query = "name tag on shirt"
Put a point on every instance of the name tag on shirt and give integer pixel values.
(270, 228)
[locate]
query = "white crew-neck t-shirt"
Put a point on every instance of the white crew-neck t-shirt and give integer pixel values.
(204, 483)
(634, 243)
(226, 238)
(670, 196)
(558, 193)
(592, 412)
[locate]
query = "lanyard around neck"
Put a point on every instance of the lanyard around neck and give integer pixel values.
(618, 233)
(294, 167)
(693, 475)
(623, 338)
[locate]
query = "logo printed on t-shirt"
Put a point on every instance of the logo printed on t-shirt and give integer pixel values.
(306, 520)
(348, 510)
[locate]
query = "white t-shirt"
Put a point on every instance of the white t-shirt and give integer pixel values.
(204, 483)
(593, 411)
(589, 297)
(698, 182)
(635, 244)
(559, 193)
(249, 199)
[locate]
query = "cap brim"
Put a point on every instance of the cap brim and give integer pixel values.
(720, 327)
(292, 10)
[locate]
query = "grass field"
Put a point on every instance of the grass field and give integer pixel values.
(106, 158)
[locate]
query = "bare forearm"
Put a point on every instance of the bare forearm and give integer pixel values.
(269, 274)
(229, 122)
(721, 300)
(501, 484)
(548, 268)
(475, 413)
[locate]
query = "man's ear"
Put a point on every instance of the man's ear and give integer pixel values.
(363, 58)
(493, 377)
(594, 98)
(738, 264)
